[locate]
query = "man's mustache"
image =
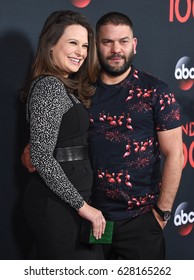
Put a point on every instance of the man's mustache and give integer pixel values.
(116, 56)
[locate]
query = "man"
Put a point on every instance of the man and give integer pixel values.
(134, 120)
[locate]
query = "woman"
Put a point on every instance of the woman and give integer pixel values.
(56, 198)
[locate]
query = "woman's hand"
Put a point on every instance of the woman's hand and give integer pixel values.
(95, 217)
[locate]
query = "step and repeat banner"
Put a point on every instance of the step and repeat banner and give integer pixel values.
(165, 32)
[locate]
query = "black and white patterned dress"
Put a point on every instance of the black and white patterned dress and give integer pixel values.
(56, 190)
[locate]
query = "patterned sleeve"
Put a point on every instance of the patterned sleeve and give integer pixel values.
(167, 113)
(47, 104)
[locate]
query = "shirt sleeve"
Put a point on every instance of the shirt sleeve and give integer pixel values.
(167, 110)
(47, 105)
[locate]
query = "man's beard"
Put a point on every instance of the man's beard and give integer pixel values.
(115, 70)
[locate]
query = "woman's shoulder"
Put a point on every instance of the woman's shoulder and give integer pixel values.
(48, 84)
(48, 91)
(48, 81)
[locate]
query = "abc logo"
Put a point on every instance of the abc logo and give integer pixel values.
(184, 219)
(184, 73)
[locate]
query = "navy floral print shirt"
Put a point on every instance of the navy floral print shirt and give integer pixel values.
(124, 149)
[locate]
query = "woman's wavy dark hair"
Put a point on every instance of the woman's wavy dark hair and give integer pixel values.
(79, 83)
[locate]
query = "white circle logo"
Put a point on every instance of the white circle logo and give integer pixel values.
(184, 219)
(184, 73)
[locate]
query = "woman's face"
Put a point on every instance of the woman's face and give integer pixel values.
(71, 49)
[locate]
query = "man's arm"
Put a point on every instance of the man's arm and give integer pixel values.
(26, 160)
(171, 146)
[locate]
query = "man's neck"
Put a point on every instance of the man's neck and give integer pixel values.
(110, 80)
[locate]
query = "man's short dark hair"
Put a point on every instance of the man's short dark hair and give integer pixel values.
(114, 18)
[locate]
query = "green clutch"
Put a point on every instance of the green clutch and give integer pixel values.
(87, 236)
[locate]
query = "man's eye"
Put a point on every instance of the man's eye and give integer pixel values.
(107, 42)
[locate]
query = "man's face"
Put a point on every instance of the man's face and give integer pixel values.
(116, 48)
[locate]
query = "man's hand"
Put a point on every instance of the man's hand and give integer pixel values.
(26, 160)
(159, 219)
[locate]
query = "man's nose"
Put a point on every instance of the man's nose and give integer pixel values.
(116, 47)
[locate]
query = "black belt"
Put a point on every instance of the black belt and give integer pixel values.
(71, 153)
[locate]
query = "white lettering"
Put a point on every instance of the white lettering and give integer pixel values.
(184, 73)
(183, 218)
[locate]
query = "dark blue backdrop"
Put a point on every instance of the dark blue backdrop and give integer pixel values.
(164, 29)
